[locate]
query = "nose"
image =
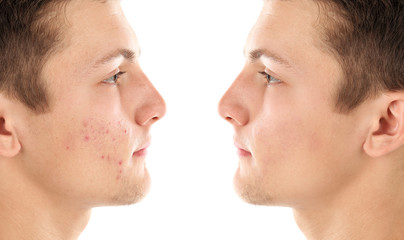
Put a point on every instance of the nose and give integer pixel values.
(152, 107)
(232, 106)
(151, 112)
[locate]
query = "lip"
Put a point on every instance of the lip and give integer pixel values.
(242, 151)
(142, 151)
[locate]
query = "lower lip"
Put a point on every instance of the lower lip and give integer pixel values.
(243, 153)
(140, 153)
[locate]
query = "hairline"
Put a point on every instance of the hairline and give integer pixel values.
(61, 26)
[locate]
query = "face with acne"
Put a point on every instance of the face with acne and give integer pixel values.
(90, 146)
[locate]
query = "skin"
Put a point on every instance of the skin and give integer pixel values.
(296, 149)
(87, 150)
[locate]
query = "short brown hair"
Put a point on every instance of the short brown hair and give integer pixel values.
(29, 33)
(366, 37)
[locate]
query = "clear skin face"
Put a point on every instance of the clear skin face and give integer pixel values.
(88, 148)
(295, 148)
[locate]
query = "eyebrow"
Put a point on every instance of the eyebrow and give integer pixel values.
(256, 54)
(127, 54)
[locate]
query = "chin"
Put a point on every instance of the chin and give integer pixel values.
(132, 192)
(251, 191)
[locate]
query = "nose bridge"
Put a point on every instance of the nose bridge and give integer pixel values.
(232, 106)
(152, 106)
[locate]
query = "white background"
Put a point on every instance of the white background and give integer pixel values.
(192, 51)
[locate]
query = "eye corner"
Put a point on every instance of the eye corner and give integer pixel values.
(114, 79)
(271, 80)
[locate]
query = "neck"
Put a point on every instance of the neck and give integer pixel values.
(27, 212)
(371, 207)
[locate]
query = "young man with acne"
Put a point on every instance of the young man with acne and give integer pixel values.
(318, 113)
(75, 115)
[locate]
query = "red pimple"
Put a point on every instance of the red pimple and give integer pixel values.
(102, 156)
(86, 138)
(67, 148)
(120, 162)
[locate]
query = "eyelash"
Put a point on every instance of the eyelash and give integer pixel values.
(114, 79)
(270, 78)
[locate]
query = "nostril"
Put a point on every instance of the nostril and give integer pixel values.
(232, 120)
(152, 120)
(233, 111)
(143, 119)
(240, 118)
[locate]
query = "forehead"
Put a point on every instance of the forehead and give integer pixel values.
(94, 29)
(307, 11)
(285, 26)
(288, 30)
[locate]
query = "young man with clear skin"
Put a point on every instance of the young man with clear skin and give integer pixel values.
(75, 111)
(318, 113)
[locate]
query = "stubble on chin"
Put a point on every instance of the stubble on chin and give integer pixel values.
(132, 192)
(251, 190)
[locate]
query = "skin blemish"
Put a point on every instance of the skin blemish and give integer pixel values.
(67, 148)
(120, 163)
(103, 157)
(86, 138)
(119, 176)
(86, 122)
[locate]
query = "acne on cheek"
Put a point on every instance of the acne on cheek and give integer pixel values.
(101, 132)
(119, 164)
(106, 136)
(115, 162)
(119, 176)
(68, 143)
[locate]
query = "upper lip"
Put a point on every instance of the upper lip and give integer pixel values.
(240, 146)
(143, 146)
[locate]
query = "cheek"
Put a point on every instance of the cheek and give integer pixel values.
(291, 147)
(291, 127)
(286, 142)
(278, 135)
(104, 141)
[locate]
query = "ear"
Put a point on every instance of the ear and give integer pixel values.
(9, 142)
(387, 134)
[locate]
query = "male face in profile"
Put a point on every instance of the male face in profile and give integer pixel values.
(75, 111)
(318, 113)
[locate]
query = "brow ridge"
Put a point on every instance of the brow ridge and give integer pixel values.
(127, 54)
(256, 54)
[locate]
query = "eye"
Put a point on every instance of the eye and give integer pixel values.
(114, 79)
(270, 79)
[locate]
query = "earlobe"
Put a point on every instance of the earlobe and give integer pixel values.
(9, 143)
(387, 133)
